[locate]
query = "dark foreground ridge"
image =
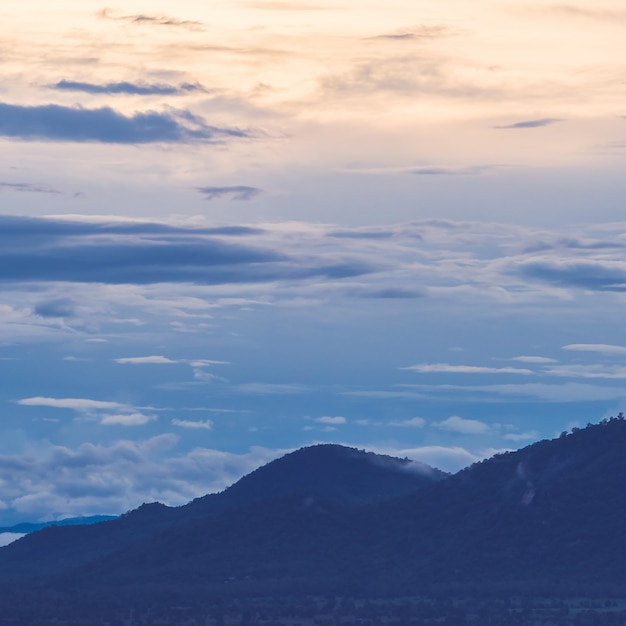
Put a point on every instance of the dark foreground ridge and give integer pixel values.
(549, 519)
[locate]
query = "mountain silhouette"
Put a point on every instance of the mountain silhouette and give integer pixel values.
(547, 519)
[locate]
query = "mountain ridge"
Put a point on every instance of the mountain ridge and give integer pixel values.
(549, 516)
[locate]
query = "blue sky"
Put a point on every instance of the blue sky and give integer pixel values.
(229, 231)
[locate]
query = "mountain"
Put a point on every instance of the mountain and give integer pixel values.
(31, 527)
(547, 519)
(333, 473)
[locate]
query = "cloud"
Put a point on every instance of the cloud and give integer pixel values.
(457, 424)
(203, 424)
(527, 436)
(602, 348)
(127, 419)
(127, 88)
(237, 192)
(271, 389)
(587, 371)
(594, 275)
(7, 538)
(327, 419)
(388, 293)
(567, 392)
(435, 31)
(52, 122)
(107, 413)
(596, 14)
(55, 482)
(76, 404)
(447, 458)
(28, 188)
(545, 121)
(58, 307)
(435, 368)
(414, 422)
(449, 171)
(533, 359)
(142, 19)
(47, 249)
(140, 360)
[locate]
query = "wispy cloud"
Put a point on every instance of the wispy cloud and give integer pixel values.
(199, 424)
(450, 171)
(143, 19)
(126, 419)
(414, 422)
(141, 360)
(595, 275)
(434, 368)
(33, 249)
(271, 388)
(327, 419)
(107, 413)
(76, 404)
(544, 121)
(236, 192)
(52, 122)
(28, 188)
(127, 88)
(539, 360)
(602, 348)
(425, 32)
(463, 426)
(587, 371)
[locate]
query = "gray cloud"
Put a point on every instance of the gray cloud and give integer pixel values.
(389, 293)
(52, 122)
(448, 171)
(546, 121)
(28, 187)
(142, 19)
(236, 192)
(435, 31)
(40, 249)
(582, 274)
(60, 307)
(128, 88)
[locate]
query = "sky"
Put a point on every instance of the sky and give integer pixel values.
(230, 229)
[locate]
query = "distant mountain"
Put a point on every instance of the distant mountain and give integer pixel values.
(547, 519)
(30, 527)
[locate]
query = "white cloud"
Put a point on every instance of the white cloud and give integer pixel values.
(533, 359)
(126, 419)
(58, 481)
(327, 419)
(414, 422)
(428, 368)
(205, 362)
(527, 436)
(457, 424)
(447, 458)
(205, 424)
(7, 538)
(76, 404)
(269, 388)
(602, 348)
(587, 371)
(140, 360)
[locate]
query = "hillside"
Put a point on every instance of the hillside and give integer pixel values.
(337, 474)
(547, 519)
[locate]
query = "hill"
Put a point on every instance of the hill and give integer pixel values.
(547, 519)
